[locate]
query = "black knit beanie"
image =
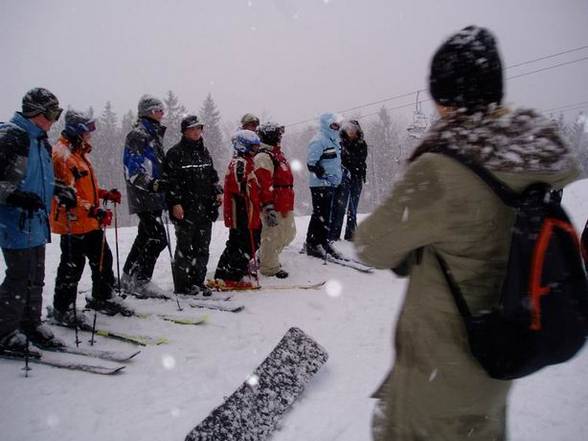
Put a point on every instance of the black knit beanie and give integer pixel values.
(466, 71)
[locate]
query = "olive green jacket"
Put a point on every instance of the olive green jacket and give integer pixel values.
(437, 390)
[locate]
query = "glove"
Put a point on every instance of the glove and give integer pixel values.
(104, 217)
(26, 200)
(318, 170)
(112, 195)
(66, 196)
(270, 215)
(157, 186)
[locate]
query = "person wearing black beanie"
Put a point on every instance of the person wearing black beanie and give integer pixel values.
(439, 210)
(466, 71)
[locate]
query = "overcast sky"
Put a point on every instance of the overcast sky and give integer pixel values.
(291, 59)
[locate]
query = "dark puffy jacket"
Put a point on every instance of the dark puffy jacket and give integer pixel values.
(354, 155)
(25, 165)
(191, 180)
(143, 159)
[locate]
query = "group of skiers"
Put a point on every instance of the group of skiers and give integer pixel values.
(46, 189)
(439, 213)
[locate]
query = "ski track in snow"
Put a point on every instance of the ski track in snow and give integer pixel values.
(167, 390)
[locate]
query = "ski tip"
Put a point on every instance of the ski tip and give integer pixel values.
(133, 355)
(117, 370)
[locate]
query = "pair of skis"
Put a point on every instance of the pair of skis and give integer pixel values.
(219, 301)
(50, 357)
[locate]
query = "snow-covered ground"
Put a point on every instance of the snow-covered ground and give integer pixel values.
(168, 389)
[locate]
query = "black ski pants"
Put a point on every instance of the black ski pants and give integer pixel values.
(318, 227)
(192, 253)
(74, 251)
(148, 245)
(239, 249)
(23, 284)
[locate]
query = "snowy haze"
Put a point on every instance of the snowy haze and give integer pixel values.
(290, 59)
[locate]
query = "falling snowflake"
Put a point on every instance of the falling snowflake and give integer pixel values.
(296, 165)
(175, 412)
(253, 380)
(334, 288)
(168, 362)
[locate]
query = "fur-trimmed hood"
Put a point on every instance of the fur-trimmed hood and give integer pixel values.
(501, 140)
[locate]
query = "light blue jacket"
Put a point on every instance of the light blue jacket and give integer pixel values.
(27, 166)
(324, 150)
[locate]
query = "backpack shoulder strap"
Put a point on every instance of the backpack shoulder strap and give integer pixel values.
(462, 306)
(503, 191)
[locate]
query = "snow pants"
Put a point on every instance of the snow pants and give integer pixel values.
(273, 241)
(149, 243)
(192, 253)
(25, 275)
(239, 249)
(74, 251)
(346, 199)
(318, 227)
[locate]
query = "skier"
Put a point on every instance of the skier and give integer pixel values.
(346, 199)
(241, 215)
(437, 389)
(26, 189)
(249, 122)
(143, 158)
(82, 229)
(276, 184)
(324, 165)
(193, 197)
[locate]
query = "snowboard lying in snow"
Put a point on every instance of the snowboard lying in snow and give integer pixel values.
(253, 411)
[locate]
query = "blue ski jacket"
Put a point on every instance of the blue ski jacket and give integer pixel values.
(143, 158)
(25, 165)
(324, 155)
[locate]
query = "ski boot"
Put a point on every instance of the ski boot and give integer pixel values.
(68, 318)
(111, 306)
(15, 343)
(42, 336)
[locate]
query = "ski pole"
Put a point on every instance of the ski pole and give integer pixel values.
(253, 252)
(68, 217)
(171, 258)
(116, 247)
(29, 287)
(100, 268)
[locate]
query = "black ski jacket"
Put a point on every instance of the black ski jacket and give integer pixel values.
(191, 180)
(354, 155)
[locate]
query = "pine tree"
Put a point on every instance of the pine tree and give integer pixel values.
(388, 148)
(107, 149)
(127, 123)
(213, 137)
(174, 112)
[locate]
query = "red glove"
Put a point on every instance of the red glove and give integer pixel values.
(111, 195)
(103, 216)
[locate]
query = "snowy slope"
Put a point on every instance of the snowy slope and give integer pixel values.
(168, 389)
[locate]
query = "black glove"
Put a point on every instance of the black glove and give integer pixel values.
(318, 170)
(66, 196)
(26, 200)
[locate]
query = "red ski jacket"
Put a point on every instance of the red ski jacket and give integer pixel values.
(275, 178)
(241, 182)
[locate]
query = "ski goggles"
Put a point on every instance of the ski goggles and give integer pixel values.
(53, 113)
